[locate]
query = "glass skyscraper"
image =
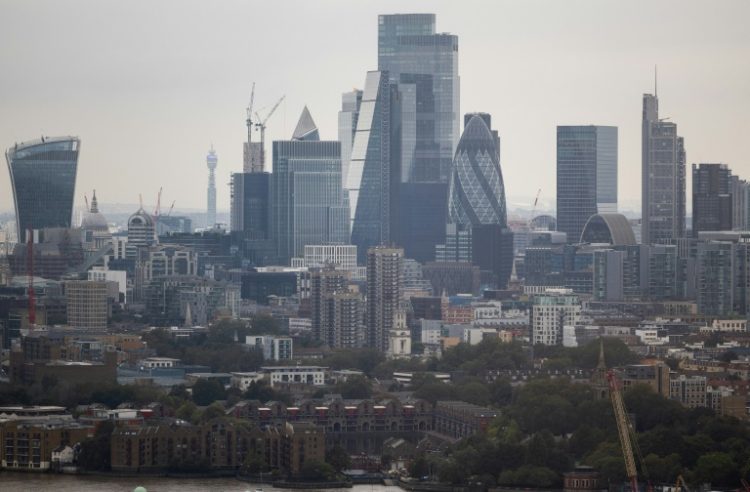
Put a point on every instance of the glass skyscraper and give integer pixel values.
(370, 174)
(308, 201)
(424, 67)
(43, 177)
(663, 177)
(586, 176)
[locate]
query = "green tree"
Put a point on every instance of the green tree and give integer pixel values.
(317, 470)
(355, 387)
(207, 391)
(718, 469)
(338, 458)
(95, 453)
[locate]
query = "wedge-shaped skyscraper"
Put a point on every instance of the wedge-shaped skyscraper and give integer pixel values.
(43, 177)
(369, 176)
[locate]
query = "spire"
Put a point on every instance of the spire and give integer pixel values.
(94, 204)
(601, 364)
(306, 128)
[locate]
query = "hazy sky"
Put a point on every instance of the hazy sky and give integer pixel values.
(149, 85)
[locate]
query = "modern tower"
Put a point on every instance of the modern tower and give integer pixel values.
(43, 178)
(308, 201)
(211, 161)
(712, 198)
(370, 167)
(662, 176)
(476, 201)
(348, 117)
(384, 292)
(424, 67)
(586, 176)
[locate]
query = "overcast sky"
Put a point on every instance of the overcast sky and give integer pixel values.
(149, 85)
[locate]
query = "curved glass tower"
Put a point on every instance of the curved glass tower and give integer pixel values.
(43, 177)
(477, 193)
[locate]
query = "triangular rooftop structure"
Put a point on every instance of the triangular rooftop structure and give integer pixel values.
(306, 128)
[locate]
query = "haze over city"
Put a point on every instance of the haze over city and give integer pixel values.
(149, 86)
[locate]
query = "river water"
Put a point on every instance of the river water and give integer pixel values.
(32, 482)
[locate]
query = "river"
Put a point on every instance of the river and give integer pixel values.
(33, 482)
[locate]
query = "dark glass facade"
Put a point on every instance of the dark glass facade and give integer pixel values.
(43, 177)
(421, 219)
(251, 217)
(586, 176)
(712, 198)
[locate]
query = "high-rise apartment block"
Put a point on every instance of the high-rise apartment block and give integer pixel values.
(308, 201)
(662, 175)
(586, 176)
(384, 294)
(43, 179)
(324, 283)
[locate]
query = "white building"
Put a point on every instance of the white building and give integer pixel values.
(273, 347)
(552, 311)
(242, 380)
(650, 336)
(158, 362)
(118, 276)
(399, 339)
(300, 326)
(726, 325)
(473, 336)
(314, 375)
(690, 391)
(487, 313)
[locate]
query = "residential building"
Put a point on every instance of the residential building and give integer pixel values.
(663, 176)
(43, 180)
(586, 176)
(314, 375)
(273, 347)
(552, 311)
(29, 444)
(690, 391)
(384, 294)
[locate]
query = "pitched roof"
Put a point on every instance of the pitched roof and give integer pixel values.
(306, 128)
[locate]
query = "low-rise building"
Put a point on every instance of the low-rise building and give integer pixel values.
(28, 444)
(314, 375)
(458, 419)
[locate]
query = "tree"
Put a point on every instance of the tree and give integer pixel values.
(717, 469)
(207, 391)
(95, 453)
(317, 470)
(338, 458)
(355, 387)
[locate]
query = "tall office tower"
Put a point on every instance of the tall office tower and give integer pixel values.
(424, 67)
(586, 176)
(87, 304)
(43, 177)
(712, 198)
(348, 117)
(476, 200)
(211, 161)
(740, 204)
(369, 175)
(662, 177)
(384, 286)
(323, 284)
(308, 201)
(250, 217)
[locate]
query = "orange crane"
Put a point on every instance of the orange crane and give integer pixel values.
(626, 432)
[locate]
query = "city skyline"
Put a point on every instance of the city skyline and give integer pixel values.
(161, 109)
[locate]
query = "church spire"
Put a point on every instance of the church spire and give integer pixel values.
(94, 204)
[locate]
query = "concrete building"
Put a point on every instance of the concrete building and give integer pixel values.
(314, 375)
(88, 304)
(384, 294)
(211, 161)
(690, 391)
(273, 347)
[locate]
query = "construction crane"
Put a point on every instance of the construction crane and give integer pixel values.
(623, 429)
(30, 273)
(533, 208)
(171, 207)
(249, 120)
(262, 125)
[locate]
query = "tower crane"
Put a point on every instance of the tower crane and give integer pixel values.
(249, 120)
(625, 431)
(533, 209)
(262, 125)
